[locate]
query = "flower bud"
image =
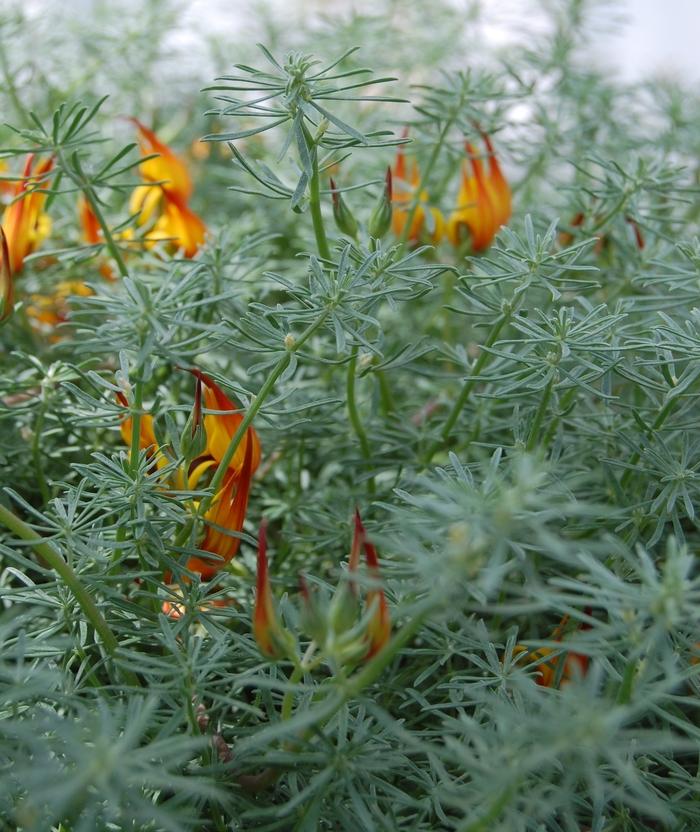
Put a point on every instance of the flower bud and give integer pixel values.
(7, 289)
(380, 219)
(267, 630)
(342, 215)
(193, 440)
(379, 627)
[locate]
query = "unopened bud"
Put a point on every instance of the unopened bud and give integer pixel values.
(267, 630)
(289, 341)
(193, 440)
(342, 215)
(7, 288)
(380, 219)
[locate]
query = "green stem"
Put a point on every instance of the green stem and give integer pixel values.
(624, 694)
(84, 185)
(427, 170)
(106, 233)
(619, 206)
(385, 397)
(354, 415)
(376, 666)
(251, 413)
(315, 208)
(288, 700)
(533, 438)
(136, 427)
(36, 454)
(566, 400)
(47, 552)
(469, 385)
(636, 456)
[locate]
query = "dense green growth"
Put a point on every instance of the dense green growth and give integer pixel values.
(518, 427)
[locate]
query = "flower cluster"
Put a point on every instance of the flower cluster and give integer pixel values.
(341, 630)
(554, 667)
(24, 221)
(204, 446)
(483, 203)
(161, 204)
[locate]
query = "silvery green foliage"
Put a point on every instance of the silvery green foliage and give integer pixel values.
(530, 420)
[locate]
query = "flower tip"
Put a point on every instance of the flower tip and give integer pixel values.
(388, 184)
(304, 589)
(7, 291)
(357, 541)
(197, 409)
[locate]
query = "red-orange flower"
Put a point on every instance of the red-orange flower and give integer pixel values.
(548, 659)
(166, 168)
(483, 201)
(24, 222)
(48, 311)
(162, 206)
(225, 515)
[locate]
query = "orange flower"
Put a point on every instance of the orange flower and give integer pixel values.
(179, 224)
(163, 204)
(24, 222)
(47, 311)
(483, 201)
(167, 168)
(266, 627)
(427, 222)
(225, 516)
(575, 664)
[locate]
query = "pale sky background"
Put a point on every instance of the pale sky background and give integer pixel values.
(657, 37)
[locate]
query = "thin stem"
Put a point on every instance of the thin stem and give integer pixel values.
(427, 170)
(354, 415)
(106, 233)
(47, 552)
(251, 413)
(84, 185)
(315, 208)
(136, 427)
(636, 456)
(624, 694)
(376, 666)
(469, 385)
(36, 454)
(533, 438)
(566, 400)
(386, 398)
(288, 700)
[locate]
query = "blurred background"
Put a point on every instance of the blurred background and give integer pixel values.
(635, 38)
